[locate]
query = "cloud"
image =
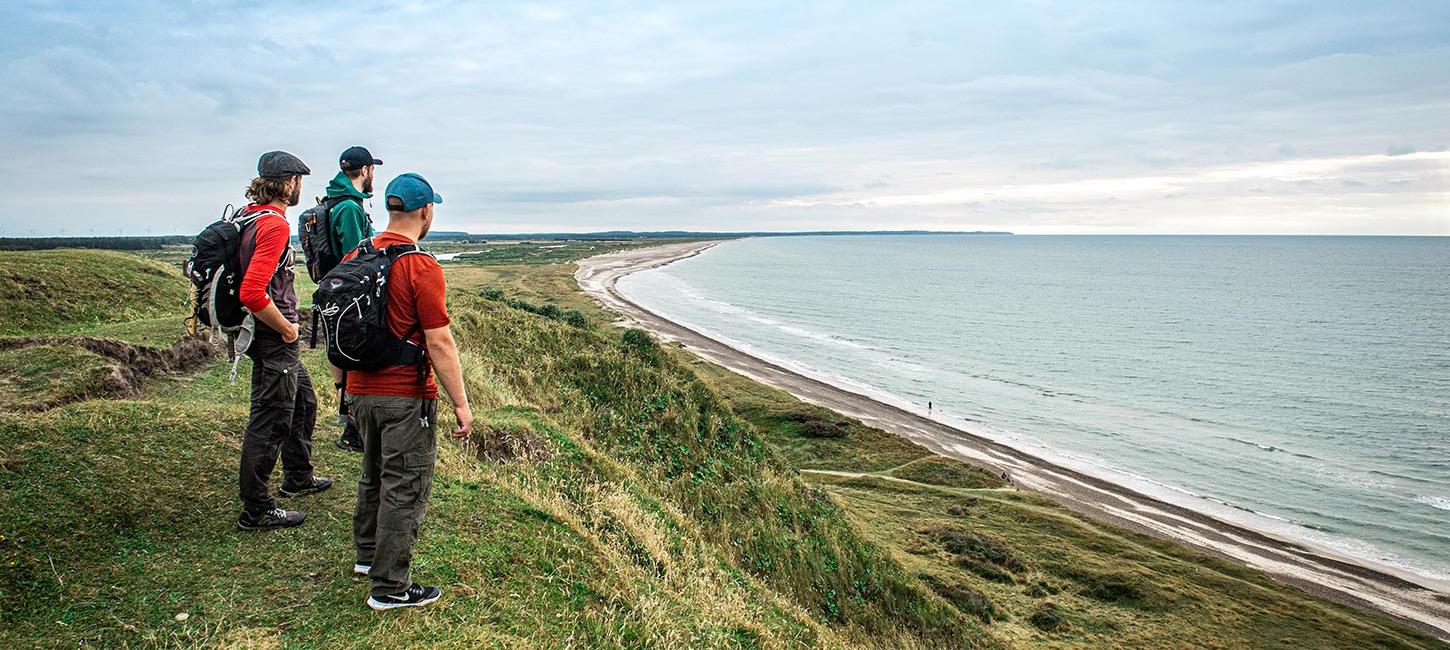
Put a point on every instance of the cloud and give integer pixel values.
(1046, 116)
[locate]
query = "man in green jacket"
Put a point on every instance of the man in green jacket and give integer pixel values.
(350, 225)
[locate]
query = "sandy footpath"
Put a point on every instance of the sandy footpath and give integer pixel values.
(1408, 598)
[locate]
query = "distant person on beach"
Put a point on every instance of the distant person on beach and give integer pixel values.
(284, 406)
(395, 406)
(350, 225)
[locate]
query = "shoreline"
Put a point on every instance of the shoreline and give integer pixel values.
(1403, 597)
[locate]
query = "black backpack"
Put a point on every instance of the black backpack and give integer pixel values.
(314, 232)
(215, 270)
(352, 303)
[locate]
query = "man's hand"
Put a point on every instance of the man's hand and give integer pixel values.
(292, 334)
(273, 318)
(464, 416)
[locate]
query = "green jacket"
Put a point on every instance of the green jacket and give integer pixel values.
(350, 223)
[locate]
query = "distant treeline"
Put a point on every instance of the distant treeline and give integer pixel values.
(111, 243)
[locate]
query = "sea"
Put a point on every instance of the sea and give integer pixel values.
(1297, 385)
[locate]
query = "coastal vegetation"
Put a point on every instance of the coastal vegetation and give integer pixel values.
(618, 492)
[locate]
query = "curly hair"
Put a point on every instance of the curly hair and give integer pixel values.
(268, 190)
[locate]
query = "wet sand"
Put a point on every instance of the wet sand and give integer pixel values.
(1413, 600)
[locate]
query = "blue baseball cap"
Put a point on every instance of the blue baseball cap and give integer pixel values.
(413, 190)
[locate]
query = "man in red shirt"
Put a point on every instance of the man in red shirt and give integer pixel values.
(284, 406)
(396, 407)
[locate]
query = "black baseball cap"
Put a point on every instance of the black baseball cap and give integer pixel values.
(356, 158)
(280, 164)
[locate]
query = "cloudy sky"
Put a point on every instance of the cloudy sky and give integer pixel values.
(1040, 117)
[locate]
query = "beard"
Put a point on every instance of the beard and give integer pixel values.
(367, 187)
(427, 225)
(296, 195)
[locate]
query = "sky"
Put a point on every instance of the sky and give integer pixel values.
(1041, 116)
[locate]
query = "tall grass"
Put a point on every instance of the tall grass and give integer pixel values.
(698, 467)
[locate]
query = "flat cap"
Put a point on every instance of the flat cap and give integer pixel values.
(280, 164)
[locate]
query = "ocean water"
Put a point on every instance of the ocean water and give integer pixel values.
(1299, 385)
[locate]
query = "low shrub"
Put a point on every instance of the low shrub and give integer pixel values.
(1047, 617)
(574, 317)
(822, 429)
(551, 311)
(967, 600)
(948, 472)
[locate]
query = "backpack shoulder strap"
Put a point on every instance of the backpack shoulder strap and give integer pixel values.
(244, 217)
(332, 201)
(395, 251)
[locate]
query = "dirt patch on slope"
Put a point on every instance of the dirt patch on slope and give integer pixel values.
(131, 365)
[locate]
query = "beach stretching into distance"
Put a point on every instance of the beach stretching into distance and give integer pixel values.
(1412, 599)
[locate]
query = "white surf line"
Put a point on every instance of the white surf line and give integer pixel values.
(1370, 587)
(897, 479)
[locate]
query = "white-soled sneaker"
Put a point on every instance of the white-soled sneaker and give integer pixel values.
(414, 596)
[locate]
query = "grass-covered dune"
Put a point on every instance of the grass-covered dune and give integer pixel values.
(616, 494)
(77, 290)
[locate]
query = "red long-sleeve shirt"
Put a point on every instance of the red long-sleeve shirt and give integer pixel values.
(271, 235)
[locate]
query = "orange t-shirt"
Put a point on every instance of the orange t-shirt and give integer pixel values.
(416, 296)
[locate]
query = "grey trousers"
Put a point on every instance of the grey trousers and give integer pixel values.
(400, 445)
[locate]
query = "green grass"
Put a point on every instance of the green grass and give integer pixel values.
(47, 375)
(616, 494)
(70, 291)
(502, 253)
(632, 509)
(120, 513)
(949, 472)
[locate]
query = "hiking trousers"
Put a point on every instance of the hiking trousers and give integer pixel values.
(284, 413)
(400, 445)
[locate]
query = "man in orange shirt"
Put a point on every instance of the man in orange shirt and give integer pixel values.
(395, 407)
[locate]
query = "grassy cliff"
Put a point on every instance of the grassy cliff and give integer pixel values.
(617, 494)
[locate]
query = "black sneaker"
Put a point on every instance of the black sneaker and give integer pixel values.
(414, 596)
(351, 439)
(274, 518)
(319, 483)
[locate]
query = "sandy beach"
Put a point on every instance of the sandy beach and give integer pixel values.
(1411, 599)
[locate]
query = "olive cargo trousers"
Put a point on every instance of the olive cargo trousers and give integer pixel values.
(399, 447)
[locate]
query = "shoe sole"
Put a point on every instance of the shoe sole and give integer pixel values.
(361, 570)
(355, 450)
(381, 606)
(302, 493)
(242, 526)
